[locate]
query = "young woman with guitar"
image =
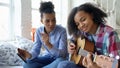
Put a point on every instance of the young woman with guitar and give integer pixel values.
(90, 33)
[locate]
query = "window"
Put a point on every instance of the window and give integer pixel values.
(4, 1)
(61, 9)
(10, 19)
(35, 13)
(5, 19)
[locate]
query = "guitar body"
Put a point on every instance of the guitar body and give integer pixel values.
(83, 48)
(83, 44)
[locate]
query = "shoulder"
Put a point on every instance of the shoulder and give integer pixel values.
(40, 29)
(111, 31)
(60, 28)
(106, 28)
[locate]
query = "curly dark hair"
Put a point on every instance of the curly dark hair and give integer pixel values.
(98, 16)
(46, 7)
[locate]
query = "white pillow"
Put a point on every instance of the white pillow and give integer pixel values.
(8, 54)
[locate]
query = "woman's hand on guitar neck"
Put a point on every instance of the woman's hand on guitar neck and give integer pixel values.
(71, 48)
(88, 63)
(101, 62)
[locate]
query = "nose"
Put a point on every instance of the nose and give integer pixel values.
(80, 25)
(51, 23)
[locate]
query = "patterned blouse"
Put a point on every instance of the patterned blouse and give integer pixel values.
(106, 41)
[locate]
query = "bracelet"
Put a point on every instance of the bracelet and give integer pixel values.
(114, 63)
(118, 63)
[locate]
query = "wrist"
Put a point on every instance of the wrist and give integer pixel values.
(118, 65)
(49, 45)
(115, 64)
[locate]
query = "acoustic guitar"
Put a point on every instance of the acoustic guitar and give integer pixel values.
(83, 48)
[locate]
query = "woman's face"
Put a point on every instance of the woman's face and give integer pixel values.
(84, 22)
(49, 21)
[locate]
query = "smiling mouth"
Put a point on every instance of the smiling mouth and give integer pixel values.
(84, 29)
(51, 27)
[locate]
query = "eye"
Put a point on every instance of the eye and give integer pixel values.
(82, 19)
(54, 20)
(47, 20)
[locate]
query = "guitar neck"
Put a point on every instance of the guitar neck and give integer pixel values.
(83, 52)
(106, 63)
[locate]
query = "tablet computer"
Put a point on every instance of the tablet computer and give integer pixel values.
(21, 57)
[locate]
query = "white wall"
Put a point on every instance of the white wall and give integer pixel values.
(75, 3)
(114, 13)
(26, 18)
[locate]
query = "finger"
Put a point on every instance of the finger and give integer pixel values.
(70, 43)
(20, 50)
(84, 62)
(72, 48)
(89, 59)
(108, 58)
(42, 34)
(71, 52)
(95, 53)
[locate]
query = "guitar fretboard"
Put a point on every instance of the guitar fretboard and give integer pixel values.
(83, 52)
